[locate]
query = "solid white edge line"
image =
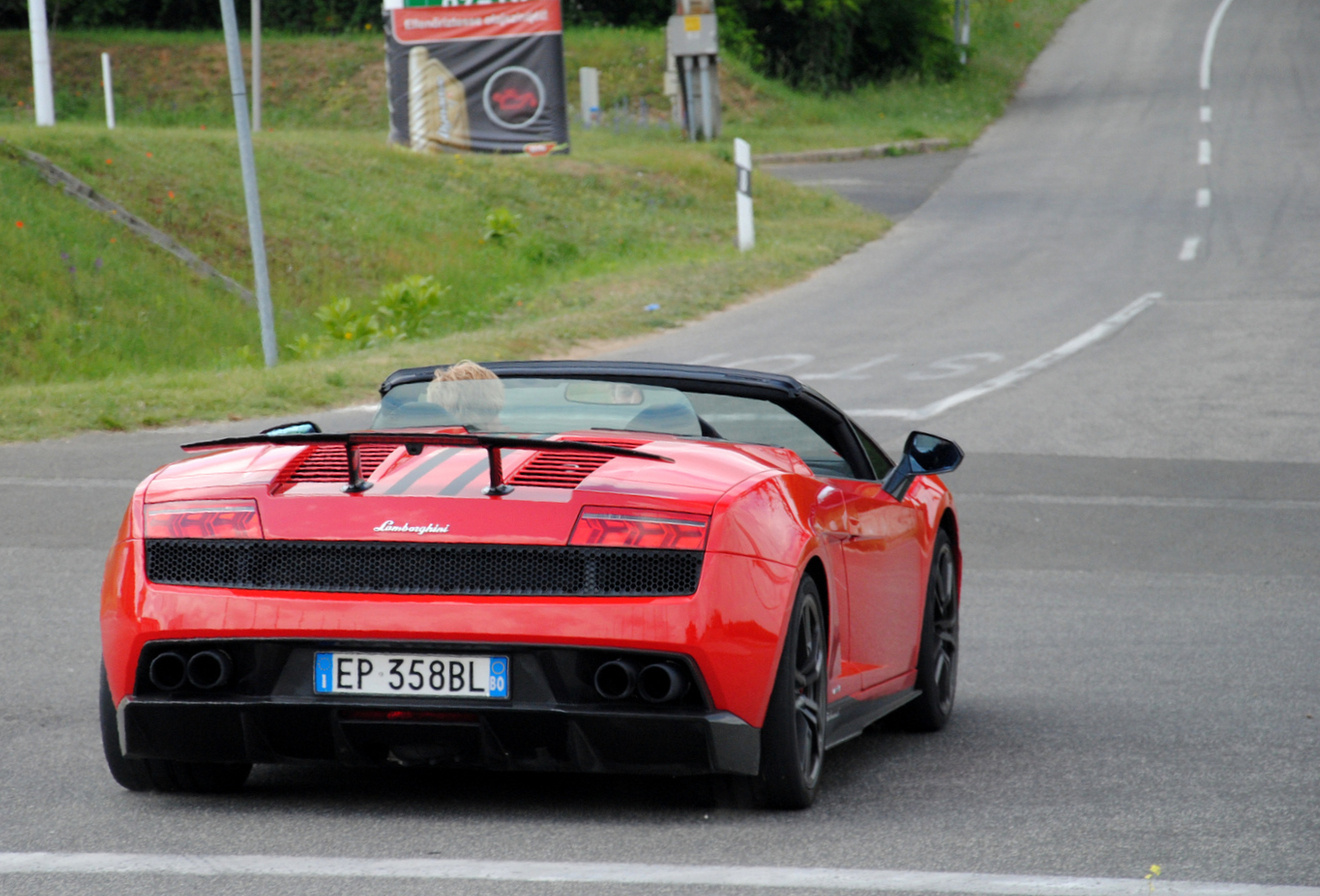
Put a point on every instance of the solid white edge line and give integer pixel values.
(1102, 330)
(1189, 247)
(1208, 50)
(767, 877)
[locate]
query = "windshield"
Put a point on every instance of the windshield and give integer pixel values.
(534, 406)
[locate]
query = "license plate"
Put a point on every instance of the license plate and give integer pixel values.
(412, 675)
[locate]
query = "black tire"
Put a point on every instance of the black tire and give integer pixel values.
(163, 774)
(937, 661)
(793, 738)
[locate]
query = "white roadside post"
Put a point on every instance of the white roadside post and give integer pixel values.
(742, 158)
(109, 92)
(43, 92)
(589, 92)
(247, 159)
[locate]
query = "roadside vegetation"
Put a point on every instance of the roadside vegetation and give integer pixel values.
(381, 258)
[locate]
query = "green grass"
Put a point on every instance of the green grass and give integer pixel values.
(98, 329)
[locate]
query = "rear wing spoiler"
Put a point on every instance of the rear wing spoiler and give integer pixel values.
(414, 442)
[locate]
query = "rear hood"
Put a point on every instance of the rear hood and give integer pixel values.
(438, 494)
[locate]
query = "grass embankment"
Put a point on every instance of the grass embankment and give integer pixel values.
(100, 330)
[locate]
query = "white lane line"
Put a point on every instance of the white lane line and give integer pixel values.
(1103, 330)
(1189, 247)
(1205, 115)
(1208, 50)
(1203, 197)
(1203, 152)
(1270, 505)
(763, 877)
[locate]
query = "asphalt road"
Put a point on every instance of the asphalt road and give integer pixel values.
(1130, 363)
(894, 186)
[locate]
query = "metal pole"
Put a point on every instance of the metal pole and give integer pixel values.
(256, 65)
(109, 92)
(707, 125)
(44, 93)
(689, 118)
(249, 163)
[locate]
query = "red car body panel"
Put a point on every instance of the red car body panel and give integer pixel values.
(732, 626)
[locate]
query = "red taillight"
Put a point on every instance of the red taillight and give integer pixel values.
(604, 527)
(203, 519)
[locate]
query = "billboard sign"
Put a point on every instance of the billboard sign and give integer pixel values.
(477, 76)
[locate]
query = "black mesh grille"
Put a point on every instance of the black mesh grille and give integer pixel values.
(402, 568)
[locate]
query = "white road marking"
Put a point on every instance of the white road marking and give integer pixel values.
(1148, 501)
(1208, 50)
(1203, 197)
(1103, 330)
(767, 362)
(761, 877)
(948, 368)
(1189, 247)
(1205, 114)
(1203, 153)
(854, 372)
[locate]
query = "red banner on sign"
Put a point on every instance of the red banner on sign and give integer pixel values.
(430, 24)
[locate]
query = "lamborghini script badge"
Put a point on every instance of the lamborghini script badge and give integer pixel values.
(428, 529)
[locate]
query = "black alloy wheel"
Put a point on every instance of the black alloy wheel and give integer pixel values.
(937, 662)
(793, 739)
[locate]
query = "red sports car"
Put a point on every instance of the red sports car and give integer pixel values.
(588, 566)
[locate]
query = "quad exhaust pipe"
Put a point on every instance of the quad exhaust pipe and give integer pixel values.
(616, 680)
(168, 671)
(204, 670)
(655, 683)
(209, 669)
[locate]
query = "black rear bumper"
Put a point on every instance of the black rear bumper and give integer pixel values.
(513, 737)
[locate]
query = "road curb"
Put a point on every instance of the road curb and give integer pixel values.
(847, 154)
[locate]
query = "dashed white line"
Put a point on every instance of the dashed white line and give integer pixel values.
(1106, 328)
(1205, 115)
(1203, 152)
(1203, 197)
(579, 873)
(1189, 247)
(1208, 50)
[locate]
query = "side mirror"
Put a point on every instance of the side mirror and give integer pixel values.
(304, 428)
(923, 455)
